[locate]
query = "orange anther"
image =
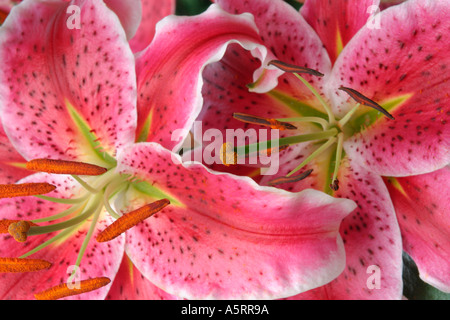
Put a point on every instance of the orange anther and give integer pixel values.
(19, 230)
(131, 219)
(25, 189)
(23, 265)
(65, 167)
(62, 290)
(4, 225)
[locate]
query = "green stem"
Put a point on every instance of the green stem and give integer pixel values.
(313, 155)
(331, 118)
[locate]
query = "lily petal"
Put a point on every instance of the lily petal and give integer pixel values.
(169, 70)
(336, 21)
(99, 259)
(371, 236)
(129, 13)
(226, 237)
(54, 78)
(402, 64)
(422, 206)
(11, 162)
(152, 12)
(130, 284)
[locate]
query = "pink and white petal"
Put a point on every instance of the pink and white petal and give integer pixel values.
(290, 38)
(47, 67)
(405, 59)
(422, 206)
(169, 70)
(336, 21)
(388, 3)
(226, 237)
(6, 5)
(100, 259)
(130, 284)
(371, 236)
(11, 161)
(130, 14)
(152, 12)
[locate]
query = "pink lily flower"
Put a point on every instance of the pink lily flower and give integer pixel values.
(69, 107)
(400, 64)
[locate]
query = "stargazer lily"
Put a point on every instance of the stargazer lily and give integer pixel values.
(68, 107)
(400, 69)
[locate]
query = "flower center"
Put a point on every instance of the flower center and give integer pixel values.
(332, 134)
(98, 187)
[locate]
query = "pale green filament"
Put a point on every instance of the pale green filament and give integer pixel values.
(87, 239)
(60, 235)
(69, 223)
(241, 150)
(346, 118)
(331, 118)
(85, 185)
(62, 214)
(340, 142)
(64, 201)
(318, 120)
(313, 155)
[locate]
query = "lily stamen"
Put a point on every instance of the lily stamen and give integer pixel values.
(9, 265)
(361, 99)
(4, 224)
(293, 68)
(131, 219)
(19, 230)
(296, 178)
(25, 189)
(62, 290)
(272, 123)
(65, 167)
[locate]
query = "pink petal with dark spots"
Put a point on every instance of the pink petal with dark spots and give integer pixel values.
(406, 58)
(9, 159)
(225, 237)
(152, 12)
(47, 65)
(100, 259)
(169, 70)
(337, 21)
(130, 284)
(371, 236)
(422, 205)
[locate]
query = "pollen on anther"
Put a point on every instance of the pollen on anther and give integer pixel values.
(4, 224)
(10, 265)
(131, 219)
(65, 167)
(25, 189)
(63, 290)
